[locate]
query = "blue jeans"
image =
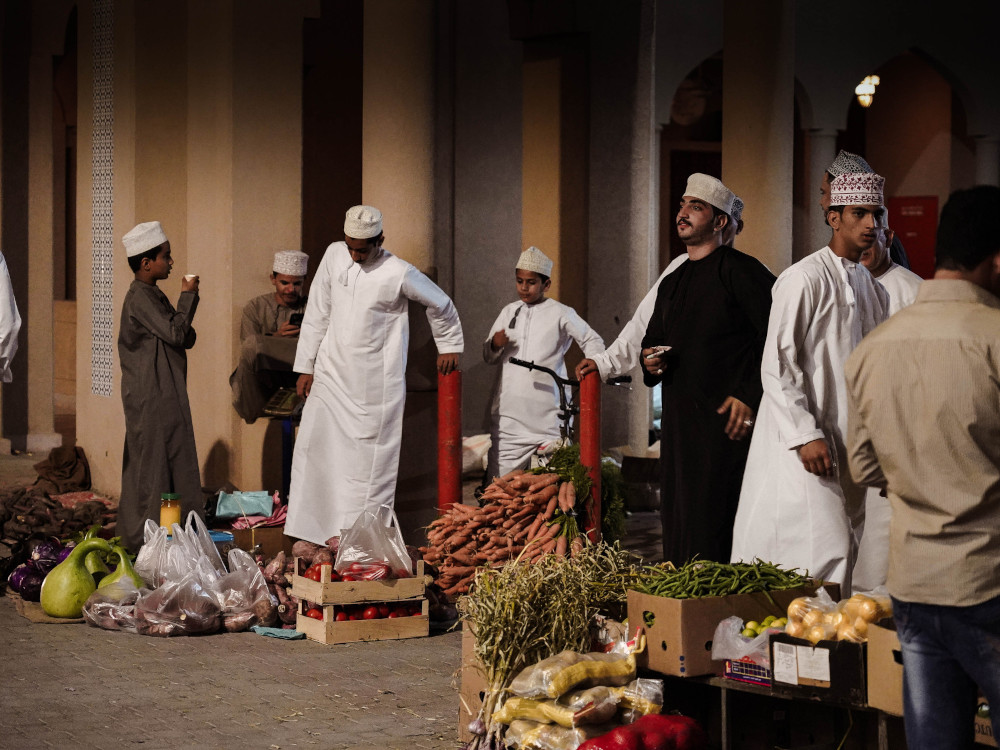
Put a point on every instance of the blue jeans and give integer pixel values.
(947, 652)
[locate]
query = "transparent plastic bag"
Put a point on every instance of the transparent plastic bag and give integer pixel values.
(728, 643)
(374, 549)
(243, 596)
(558, 674)
(530, 735)
(184, 607)
(151, 561)
(639, 698)
(113, 606)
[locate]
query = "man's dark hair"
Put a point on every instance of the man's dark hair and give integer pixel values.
(967, 233)
(717, 212)
(135, 261)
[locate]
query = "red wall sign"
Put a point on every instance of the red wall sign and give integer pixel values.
(915, 222)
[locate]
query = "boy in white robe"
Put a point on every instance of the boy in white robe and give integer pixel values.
(798, 505)
(525, 404)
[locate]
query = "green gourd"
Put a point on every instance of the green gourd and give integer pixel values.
(68, 584)
(124, 570)
(95, 560)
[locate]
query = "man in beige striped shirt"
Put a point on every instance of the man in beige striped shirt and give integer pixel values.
(924, 425)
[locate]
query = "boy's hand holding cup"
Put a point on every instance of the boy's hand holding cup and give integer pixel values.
(190, 282)
(500, 340)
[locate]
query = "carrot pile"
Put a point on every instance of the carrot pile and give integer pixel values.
(525, 515)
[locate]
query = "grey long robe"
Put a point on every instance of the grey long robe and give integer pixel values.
(160, 454)
(265, 360)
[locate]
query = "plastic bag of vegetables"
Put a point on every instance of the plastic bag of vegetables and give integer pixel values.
(568, 669)
(243, 596)
(112, 606)
(184, 607)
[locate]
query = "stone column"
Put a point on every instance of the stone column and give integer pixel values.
(758, 122)
(987, 160)
(41, 437)
(822, 152)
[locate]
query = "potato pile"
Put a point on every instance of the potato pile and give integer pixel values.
(847, 620)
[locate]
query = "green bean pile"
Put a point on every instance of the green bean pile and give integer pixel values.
(700, 578)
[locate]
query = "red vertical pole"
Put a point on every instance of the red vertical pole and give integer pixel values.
(590, 448)
(449, 439)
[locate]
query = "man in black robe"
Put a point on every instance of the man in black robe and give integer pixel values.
(703, 346)
(160, 454)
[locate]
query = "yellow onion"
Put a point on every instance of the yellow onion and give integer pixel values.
(795, 628)
(797, 608)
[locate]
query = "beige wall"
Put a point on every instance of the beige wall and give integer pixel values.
(207, 141)
(398, 153)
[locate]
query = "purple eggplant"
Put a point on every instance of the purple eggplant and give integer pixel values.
(26, 580)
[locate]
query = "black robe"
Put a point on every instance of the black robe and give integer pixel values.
(160, 454)
(713, 313)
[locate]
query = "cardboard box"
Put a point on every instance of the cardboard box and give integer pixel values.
(885, 669)
(326, 591)
(679, 640)
(473, 685)
(271, 539)
(329, 631)
(831, 671)
(984, 732)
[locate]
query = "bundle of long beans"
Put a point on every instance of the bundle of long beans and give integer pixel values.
(521, 614)
(701, 578)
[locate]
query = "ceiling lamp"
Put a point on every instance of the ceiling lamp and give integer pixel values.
(866, 90)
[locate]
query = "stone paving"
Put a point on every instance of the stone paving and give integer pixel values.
(83, 687)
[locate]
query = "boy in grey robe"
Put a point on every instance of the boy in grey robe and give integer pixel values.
(160, 454)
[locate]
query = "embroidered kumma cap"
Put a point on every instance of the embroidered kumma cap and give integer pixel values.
(363, 222)
(848, 163)
(737, 212)
(712, 191)
(857, 189)
(290, 263)
(143, 237)
(534, 260)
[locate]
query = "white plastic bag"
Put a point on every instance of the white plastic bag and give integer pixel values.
(728, 643)
(374, 548)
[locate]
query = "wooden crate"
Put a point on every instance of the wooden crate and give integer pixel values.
(329, 631)
(326, 591)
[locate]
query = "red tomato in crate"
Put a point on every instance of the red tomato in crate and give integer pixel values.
(315, 613)
(342, 616)
(348, 577)
(370, 613)
(383, 610)
(416, 610)
(312, 573)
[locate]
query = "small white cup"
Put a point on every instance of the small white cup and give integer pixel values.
(190, 276)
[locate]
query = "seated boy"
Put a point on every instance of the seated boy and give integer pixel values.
(160, 454)
(269, 333)
(525, 404)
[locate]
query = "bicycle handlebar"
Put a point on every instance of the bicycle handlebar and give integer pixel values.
(620, 380)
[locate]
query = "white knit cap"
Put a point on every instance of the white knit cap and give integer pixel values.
(291, 263)
(712, 191)
(857, 189)
(534, 260)
(848, 163)
(363, 222)
(143, 237)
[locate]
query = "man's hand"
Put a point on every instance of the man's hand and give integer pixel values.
(741, 418)
(585, 367)
(303, 385)
(499, 340)
(654, 365)
(287, 329)
(816, 459)
(447, 363)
